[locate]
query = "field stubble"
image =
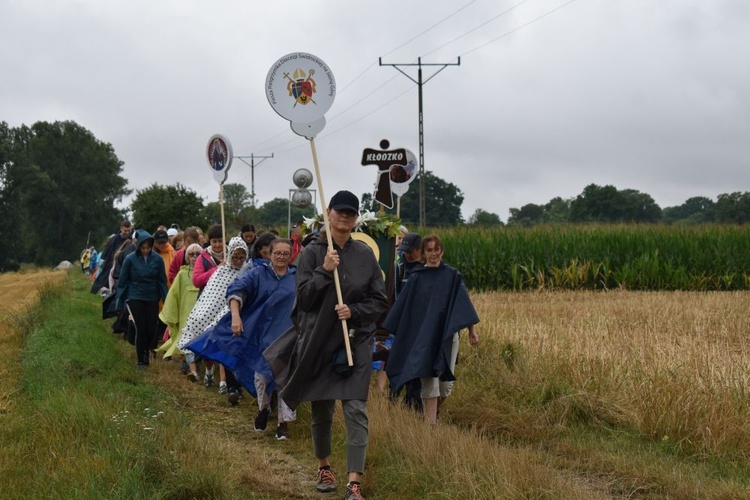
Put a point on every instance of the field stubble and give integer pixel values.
(665, 368)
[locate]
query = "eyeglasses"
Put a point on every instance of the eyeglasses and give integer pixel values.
(284, 255)
(194, 254)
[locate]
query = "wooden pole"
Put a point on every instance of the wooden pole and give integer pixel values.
(327, 226)
(223, 230)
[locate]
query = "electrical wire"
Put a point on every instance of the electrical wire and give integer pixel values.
(375, 110)
(428, 29)
(477, 27)
(368, 68)
(518, 28)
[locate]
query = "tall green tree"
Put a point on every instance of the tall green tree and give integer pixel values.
(443, 202)
(556, 210)
(211, 213)
(65, 185)
(236, 201)
(528, 215)
(275, 213)
(482, 217)
(695, 210)
(9, 198)
(166, 205)
(608, 204)
(733, 208)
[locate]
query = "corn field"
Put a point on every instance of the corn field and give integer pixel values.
(598, 257)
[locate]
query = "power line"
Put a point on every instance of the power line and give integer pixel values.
(428, 29)
(519, 28)
(369, 113)
(368, 68)
(477, 27)
(420, 83)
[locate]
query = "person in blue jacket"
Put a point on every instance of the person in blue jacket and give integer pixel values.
(142, 284)
(260, 307)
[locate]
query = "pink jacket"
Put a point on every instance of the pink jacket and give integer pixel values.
(205, 266)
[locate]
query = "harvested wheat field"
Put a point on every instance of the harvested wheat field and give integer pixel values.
(17, 292)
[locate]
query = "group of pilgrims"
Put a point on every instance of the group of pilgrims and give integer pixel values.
(268, 312)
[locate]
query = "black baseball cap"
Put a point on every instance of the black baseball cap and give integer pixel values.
(412, 241)
(161, 237)
(344, 200)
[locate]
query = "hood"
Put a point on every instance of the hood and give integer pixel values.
(235, 244)
(143, 236)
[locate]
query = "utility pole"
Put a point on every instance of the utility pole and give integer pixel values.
(252, 166)
(420, 83)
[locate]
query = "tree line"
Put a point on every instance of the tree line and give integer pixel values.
(177, 204)
(609, 204)
(60, 187)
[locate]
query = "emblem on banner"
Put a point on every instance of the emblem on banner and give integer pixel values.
(217, 154)
(301, 88)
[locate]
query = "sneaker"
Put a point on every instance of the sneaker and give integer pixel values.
(261, 421)
(282, 432)
(326, 482)
(185, 368)
(234, 397)
(354, 491)
(208, 380)
(141, 366)
(193, 377)
(222, 387)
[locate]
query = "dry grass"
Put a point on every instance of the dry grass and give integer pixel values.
(670, 368)
(18, 291)
(570, 395)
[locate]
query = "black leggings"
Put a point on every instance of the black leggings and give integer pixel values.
(146, 317)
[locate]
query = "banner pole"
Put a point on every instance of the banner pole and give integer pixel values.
(223, 230)
(327, 226)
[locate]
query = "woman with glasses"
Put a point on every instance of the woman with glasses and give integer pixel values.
(142, 284)
(180, 301)
(432, 308)
(260, 304)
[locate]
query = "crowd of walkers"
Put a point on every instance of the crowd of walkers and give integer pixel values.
(264, 315)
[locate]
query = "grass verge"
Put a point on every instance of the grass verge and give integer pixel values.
(547, 407)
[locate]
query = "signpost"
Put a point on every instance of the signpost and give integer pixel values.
(301, 88)
(219, 155)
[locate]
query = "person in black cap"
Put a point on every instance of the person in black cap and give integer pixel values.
(165, 250)
(409, 259)
(301, 359)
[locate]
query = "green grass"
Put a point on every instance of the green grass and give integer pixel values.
(87, 426)
(523, 422)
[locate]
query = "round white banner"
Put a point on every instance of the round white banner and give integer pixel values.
(219, 156)
(300, 87)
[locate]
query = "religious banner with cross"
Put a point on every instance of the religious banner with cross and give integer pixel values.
(384, 158)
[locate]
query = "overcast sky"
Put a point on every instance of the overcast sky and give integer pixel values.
(550, 95)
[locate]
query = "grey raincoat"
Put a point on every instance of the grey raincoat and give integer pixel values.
(301, 357)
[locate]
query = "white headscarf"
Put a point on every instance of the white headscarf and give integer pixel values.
(212, 303)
